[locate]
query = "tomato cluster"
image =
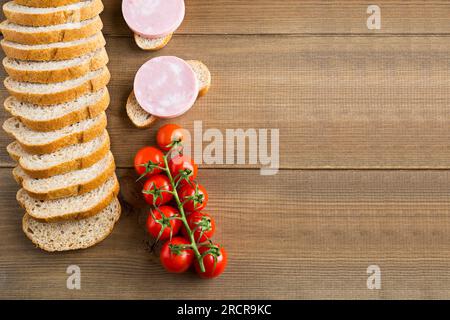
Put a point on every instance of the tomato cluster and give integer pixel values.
(177, 202)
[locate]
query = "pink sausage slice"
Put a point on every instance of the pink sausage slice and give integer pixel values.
(166, 87)
(153, 18)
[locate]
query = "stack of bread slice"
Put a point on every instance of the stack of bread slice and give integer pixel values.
(57, 76)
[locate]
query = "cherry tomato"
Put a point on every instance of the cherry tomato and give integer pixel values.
(171, 226)
(175, 259)
(168, 134)
(214, 267)
(180, 163)
(198, 201)
(159, 183)
(202, 224)
(144, 158)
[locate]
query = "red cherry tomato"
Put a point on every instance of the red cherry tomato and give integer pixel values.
(194, 202)
(202, 224)
(180, 163)
(168, 135)
(171, 226)
(159, 184)
(175, 259)
(144, 158)
(215, 262)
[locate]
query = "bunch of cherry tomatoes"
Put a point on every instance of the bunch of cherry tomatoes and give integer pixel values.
(177, 202)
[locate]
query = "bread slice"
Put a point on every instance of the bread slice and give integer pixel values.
(69, 184)
(142, 119)
(55, 71)
(55, 117)
(53, 51)
(35, 142)
(152, 44)
(45, 3)
(203, 76)
(74, 157)
(40, 17)
(60, 92)
(50, 34)
(72, 234)
(73, 208)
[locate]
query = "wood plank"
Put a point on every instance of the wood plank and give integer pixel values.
(305, 234)
(299, 17)
(338, 102)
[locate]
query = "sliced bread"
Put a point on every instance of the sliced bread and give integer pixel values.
(72, 234)
(152, 44)
(53, 51)
(73, 208)
(55, 71)
(142, 119)
(74, 157)
(203, 76)
(50, 34)
(55, 117)
(35, 142)
(69, 184)
(45, 3)
(39, 17)
(53, 93)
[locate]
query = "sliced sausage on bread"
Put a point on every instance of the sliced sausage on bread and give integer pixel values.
(142, 119)
(72, 234)
(41, 17)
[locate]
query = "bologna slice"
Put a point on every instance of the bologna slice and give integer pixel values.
(153, 18)
(166, 87)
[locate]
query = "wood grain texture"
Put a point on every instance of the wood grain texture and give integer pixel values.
(313, 235)
(299, 17)
(303, 17)
(343, 97)
(338, 102)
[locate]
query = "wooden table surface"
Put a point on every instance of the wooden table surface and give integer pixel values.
(364, 126)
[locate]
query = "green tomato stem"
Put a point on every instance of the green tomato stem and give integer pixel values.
(194, 247)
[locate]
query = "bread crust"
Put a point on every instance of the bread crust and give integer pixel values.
(26, 217)
(98, 61)
(54, 18)
(73, 190)
(87, 112)
(48, 54)
(140, 44)
(74, 138)
(129, 107)
(45, 3)
(44, 37)
(66, 95)
(78, 215)
(71, 165)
